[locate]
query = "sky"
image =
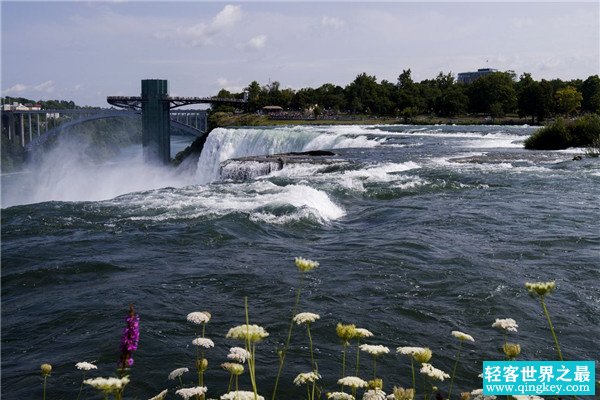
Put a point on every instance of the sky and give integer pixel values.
(84, 51)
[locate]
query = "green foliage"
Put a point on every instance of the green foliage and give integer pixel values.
(590, 91)
(13, 155)
(568, 100)
(495, 88)
(562, 134)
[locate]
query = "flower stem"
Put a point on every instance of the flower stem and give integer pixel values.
(344, 359)
(412, 366)
(357, 356)
(454, 370)
(312, 357)
(289, 337)
(250, 347)
(81, 387)
(230, 383)
(44, 388)
(374, 367)
(560, 357)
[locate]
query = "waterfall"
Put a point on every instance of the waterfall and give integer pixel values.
(227, 143)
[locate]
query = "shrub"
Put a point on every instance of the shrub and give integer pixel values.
(562, 134)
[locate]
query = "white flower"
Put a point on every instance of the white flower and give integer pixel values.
(305, 377)
(478, 395)
(199, 317)
(108, 384)
(527, 397)
(176, 373)
(363, 333)
(238, 354)
(203, 342)
(85, 366)
(352, 381)
(160, 396)
(253, 333)
(233, 368)
(409, 351)
(540, 288)
(304, 317)
(462, 336)
(433, 372)
(339, 396)
(240, 395)
(374, 394)
(305, 265)
(186, 393)
(508, 324)
(375, 350)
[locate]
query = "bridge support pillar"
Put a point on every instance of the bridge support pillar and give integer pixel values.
(156, 135)
(22, 130)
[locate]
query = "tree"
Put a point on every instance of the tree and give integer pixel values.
(497, 87)
(568, 100)
(363, 94)
(590, 90)
(529, 97)
(254, 92)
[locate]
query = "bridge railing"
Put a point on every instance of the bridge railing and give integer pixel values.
(27, 126)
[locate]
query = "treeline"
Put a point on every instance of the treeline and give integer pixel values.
(46, 104)
(495, 95)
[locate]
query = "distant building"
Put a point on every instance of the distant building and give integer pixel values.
(21, 107)
(470, 77)
(271, 109)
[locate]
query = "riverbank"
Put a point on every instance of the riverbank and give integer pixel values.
(227, 119)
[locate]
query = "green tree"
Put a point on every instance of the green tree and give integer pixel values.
(590, 90)
(529, 97)
(363, 94)
(568, 100)
(497, 87)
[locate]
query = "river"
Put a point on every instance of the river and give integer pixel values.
(419, 231)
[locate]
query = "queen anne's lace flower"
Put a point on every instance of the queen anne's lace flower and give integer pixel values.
(362, 333)
(176, 373)
(423, 356)
(305, 377)
(402, 394)
(199, 317)
(238, 354)
(462, 336)
(305, 317)
(346, 332)
(374, 394)
(240, 395)
(233, 368)
(507, 324)
(203, 342)
(186, 393)
(433, 372)
(85, 366)
(540, 288)
(352, 381)
(108, 384)
(409, 351)
(160, 396)
(305, 265)
(375, 350)
(253, 333)
(339, 396)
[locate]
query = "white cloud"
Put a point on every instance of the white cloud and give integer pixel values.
(227, 17)
(224, 83)
(204, 34)
(16, 89)
(257, 42)
(47, 87)
(19, 88)
(332, 22)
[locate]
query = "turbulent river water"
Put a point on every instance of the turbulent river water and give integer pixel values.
(419, 230)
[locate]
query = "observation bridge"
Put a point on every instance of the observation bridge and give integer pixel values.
(32, 128)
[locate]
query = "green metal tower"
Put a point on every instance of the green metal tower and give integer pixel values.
(156, 134)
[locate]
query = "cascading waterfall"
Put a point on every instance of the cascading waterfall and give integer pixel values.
(224, 144)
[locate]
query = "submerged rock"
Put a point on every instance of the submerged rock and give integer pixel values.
(245, 168)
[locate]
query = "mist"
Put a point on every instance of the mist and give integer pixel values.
(66, 172)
